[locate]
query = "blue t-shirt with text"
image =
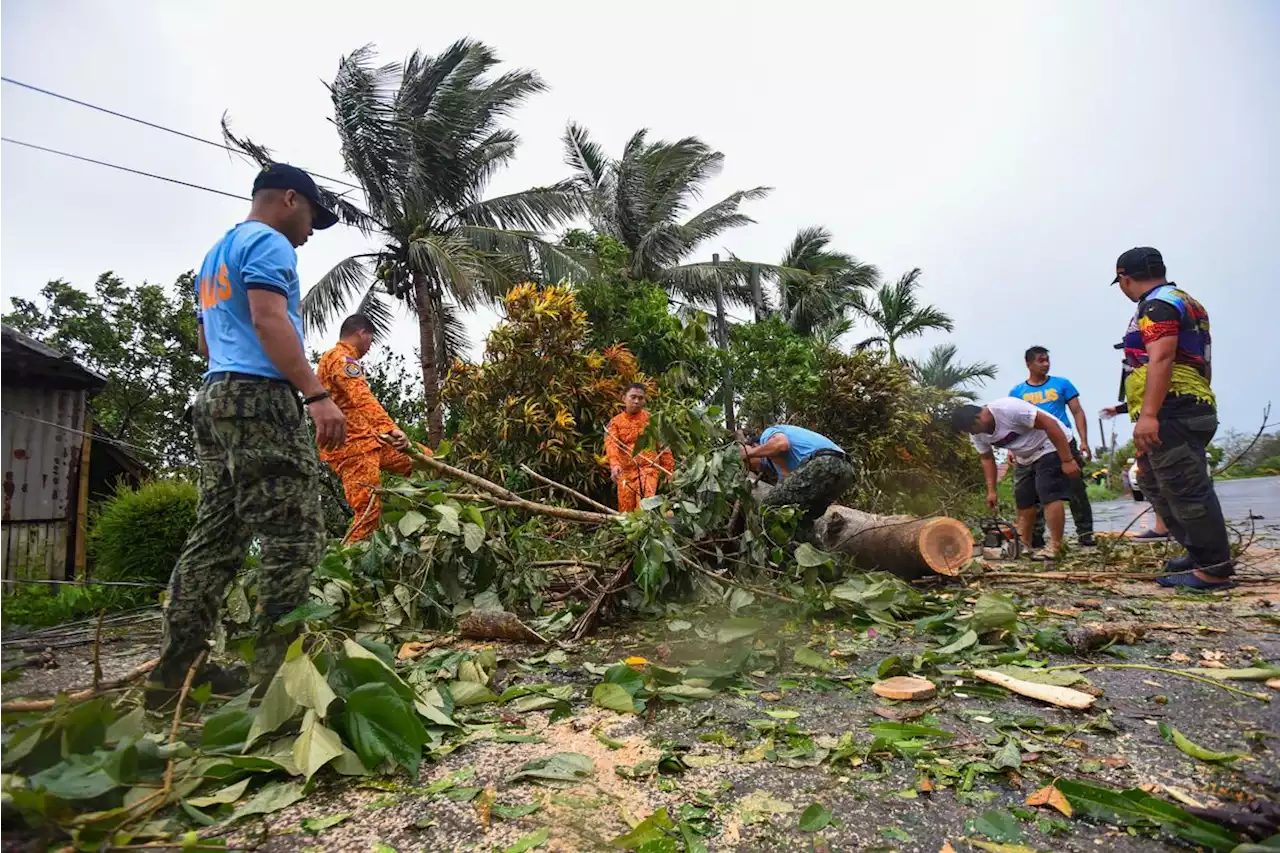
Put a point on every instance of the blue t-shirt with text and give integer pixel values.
(803, 443)
(250, 256)
(1051, 396)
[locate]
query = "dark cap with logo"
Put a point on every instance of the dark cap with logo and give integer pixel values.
(282, 176)
(1139, 261)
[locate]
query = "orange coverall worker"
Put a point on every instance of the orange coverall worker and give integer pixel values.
(639, 478)
(361, 459)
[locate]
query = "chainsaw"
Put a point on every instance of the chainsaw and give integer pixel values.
(1002, 535)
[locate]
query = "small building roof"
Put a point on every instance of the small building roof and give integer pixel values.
(26, 361)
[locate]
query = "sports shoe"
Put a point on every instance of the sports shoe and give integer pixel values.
(1086, 540)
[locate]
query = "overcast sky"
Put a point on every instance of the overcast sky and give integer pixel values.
(1010, 150)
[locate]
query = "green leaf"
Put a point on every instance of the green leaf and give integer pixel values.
(507, 812)
(814, 818)
(782, 714)
(656, 828)
(564, 767)
(272, 798)
(678, 625)
(998, 825)
(277, 708)
(316, 745)
(380, 725)
(229, 794)
(360, 665)
(614, 697)
(1008, 756)
(738, 628)
(306, 685)
(472, 537)
(317, 825)
(805, 656)
(809, 557)
(686, 692)
(131, 726)
(893, 833)
(226, 731)
(470, 693)
(959, 644)
(448, 519)
(1178, 739)
(906, 731)
(534, 839)
(411, 522)
(86, 777)
(993, 612)
(1135, 805)
(994, 847)
(307, 612)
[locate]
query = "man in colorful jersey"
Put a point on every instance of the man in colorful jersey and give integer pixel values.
(1057, 395)
(360, 461)
(1170, 399)
(259, 474)
(1034, 439)
(813, 471)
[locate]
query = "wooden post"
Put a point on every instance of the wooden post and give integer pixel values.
(82, 497)
(722, 333)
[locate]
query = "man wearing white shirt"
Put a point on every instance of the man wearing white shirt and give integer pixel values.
(1033, 438)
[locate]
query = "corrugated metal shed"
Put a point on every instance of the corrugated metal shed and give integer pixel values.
(43, 409)
(40, 438)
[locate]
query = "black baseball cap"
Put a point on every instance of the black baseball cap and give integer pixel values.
(282, 176)
(1140, 260)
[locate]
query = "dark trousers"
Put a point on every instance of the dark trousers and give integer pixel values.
(1175, 478)
(1081, 509)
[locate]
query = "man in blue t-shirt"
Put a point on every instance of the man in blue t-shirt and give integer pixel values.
(1056, 396)
(259, 472)
(813, 471)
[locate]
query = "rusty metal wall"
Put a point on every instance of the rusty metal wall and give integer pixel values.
(40, 440)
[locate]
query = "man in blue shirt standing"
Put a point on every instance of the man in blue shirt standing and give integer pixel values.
(259, 472)
(1055, 396)
(813, 471)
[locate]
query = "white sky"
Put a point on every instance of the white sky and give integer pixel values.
(1009, 149)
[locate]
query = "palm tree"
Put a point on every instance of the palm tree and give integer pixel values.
(898, 314)
(943, 371)
(816, 285)
(643, 199)
(423, 139)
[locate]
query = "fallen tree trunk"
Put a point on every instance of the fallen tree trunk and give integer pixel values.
(904, 545)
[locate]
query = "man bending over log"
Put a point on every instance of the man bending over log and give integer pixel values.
(813, 471)
(1031, 436)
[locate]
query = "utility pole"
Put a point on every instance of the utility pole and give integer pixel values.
(757, 295)
(722, 333)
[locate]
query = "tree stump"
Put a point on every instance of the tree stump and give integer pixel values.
(903, 545)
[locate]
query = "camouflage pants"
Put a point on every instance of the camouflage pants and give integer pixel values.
(259, 476)
(816, 484)
(1175, 478)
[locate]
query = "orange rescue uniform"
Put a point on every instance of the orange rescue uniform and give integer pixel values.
(640, 471)
(360, 461)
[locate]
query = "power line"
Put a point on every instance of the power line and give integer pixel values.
(101, 439)
(121, 168)
(155, 126)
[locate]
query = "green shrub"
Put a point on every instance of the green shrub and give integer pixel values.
(38, 606)
(138, 535)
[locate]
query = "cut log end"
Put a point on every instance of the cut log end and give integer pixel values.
(946, 545)
(903, 688)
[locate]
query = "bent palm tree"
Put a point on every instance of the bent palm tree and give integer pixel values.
(423, 140)
(816, 285)
(642, 199)
(898, 314)
(943, 371)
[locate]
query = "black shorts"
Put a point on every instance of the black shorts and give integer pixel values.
(1048, 485)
